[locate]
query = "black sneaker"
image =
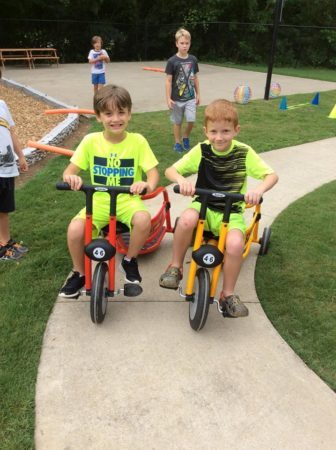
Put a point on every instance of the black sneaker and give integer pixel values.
(72, 286)
(130, 269)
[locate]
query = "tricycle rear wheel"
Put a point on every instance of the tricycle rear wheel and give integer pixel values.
(265, 241)
(199, 306)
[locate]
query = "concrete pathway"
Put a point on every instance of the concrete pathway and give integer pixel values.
(70, 83)
(143, 379)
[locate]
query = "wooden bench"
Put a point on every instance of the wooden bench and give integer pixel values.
(43, 54)
(15, 54)
(30, 55)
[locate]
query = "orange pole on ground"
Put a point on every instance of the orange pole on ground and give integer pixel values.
(153, 69)
(51, 148)
(68, 111)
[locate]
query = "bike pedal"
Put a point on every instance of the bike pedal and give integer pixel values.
(132, 289)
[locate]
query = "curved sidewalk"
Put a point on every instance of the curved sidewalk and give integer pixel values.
(144, 380)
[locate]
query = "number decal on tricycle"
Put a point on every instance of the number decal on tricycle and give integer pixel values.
(99, 252)
(208, 259)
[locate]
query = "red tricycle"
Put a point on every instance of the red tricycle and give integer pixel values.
(115, 238)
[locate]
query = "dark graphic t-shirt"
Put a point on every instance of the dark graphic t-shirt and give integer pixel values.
(183, 71)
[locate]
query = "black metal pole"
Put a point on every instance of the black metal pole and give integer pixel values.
(277, 20)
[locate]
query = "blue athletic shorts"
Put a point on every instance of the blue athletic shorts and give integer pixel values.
(98, 78)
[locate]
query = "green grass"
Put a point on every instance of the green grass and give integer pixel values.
(302, 72)
(263, 126)
(29, 287)
(28, 291)
(296, 282)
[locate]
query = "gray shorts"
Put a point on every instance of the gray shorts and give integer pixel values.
(186, 109)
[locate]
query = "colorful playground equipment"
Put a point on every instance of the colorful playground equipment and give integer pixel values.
(332, 114)
(69, 111)
(50, 148)
(242, 94)
(283, 103)
(153, 69)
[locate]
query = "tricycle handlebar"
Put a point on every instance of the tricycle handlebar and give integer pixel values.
(217, 195)
(62, 186)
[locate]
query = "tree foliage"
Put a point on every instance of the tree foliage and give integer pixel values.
(234, 30)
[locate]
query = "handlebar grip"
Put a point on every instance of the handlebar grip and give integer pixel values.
(62, 186)
(214, 194)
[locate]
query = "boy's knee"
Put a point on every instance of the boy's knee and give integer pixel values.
(141, 219)
(76, 229)
(235, 243)
(188, 220)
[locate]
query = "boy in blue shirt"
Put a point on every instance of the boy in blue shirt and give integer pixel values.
(98, 58)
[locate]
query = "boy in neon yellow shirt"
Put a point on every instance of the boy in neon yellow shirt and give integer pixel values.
(114, 157)
(222, 163)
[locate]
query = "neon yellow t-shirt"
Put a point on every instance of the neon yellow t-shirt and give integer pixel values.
(110, 164)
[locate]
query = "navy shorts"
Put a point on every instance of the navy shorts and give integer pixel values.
(98, 78)
(7, 202)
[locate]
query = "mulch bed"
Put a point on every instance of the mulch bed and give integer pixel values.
(32, 124)
(28, 114)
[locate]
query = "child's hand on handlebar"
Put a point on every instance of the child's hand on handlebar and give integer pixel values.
(74, 181)
(138, 187)
(186, 188)
(253, 197)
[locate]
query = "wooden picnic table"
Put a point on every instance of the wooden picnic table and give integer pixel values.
(30, 55)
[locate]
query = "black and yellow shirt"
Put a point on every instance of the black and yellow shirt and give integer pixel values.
(223, 171)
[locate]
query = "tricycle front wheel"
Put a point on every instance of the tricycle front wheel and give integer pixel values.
(199, 306)
(99, 297)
